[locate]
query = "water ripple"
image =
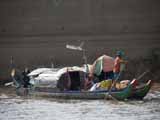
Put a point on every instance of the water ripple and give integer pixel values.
(52, 109)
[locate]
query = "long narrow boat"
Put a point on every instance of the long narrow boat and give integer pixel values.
(141, 91)
(128, 92)
(52, 93)
(55, 92)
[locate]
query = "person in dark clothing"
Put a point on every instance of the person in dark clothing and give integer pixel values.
(26, 79)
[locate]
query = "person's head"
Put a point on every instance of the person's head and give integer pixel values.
(26, 70)
(119, 53)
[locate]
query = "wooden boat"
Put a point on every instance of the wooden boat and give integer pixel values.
(139, 92)
(103, 94)
(121, 94)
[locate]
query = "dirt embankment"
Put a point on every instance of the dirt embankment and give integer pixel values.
(9, 91)
(155, 87)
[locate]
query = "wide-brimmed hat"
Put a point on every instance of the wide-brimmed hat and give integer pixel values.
(119, 53)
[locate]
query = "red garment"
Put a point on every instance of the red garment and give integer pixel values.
(117, 64)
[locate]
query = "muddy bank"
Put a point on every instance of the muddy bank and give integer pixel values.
(155, 87)
(9, 91)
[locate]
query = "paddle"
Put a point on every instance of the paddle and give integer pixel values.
(8, 84)
(12, 72)
(12, 65)
(140, 76)
(122, 68)
(114, 82)
(73, 47)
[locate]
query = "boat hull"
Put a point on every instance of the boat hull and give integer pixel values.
(141, 92)
(52, 93)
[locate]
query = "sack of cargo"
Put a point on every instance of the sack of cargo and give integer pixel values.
(105, 84)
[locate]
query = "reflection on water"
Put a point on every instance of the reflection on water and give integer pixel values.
(16, 108)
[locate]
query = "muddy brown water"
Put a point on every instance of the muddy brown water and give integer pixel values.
(13, 107)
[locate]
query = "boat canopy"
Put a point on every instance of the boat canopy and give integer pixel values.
(49, 77)
(71, 78)
(105, 63)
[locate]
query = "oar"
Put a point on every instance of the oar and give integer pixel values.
(114, 82)
(8, 84)
(12, 75)
(139, 77)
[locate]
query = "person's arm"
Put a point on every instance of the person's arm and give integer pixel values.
(117, 62)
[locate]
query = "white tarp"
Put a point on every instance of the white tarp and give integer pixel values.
(49, 76)
(44, 77)
(41, 71)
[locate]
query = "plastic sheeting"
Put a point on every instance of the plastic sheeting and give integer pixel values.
(49, 77)
(105, 63)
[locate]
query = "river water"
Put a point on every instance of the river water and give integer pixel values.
(17, 108)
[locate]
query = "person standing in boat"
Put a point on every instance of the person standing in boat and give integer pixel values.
(26, 79)
(119, 65)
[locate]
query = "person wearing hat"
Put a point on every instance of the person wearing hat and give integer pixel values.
(119, 65)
